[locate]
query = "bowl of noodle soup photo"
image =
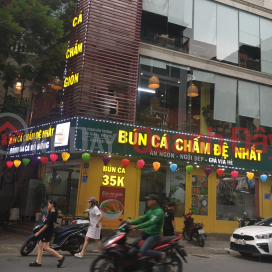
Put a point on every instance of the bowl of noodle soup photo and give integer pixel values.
(111, 208)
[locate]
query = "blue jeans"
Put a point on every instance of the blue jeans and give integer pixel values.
(146, 250)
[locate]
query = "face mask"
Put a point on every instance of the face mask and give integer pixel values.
(90, 204)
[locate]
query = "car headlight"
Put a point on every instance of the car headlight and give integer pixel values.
(264, 236)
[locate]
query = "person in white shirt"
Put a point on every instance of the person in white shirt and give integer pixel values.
(94, 228)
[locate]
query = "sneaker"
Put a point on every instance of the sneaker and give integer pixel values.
(60, 262)
(78, 255)
(35, 264)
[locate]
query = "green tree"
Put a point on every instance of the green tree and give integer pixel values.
(37, 29)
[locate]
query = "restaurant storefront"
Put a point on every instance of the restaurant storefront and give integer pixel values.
(121, 188)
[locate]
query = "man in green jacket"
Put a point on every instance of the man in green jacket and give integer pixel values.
(151, 223)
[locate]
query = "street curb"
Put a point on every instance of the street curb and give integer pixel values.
(189, 250)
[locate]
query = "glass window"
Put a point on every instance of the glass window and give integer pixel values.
(205, 21)
(249, 99)
(225, 99)
(219, 32)
(266, 45)
(156, 6)
(167, 185)
(265, 106)
(181, 12)
(227, 34)
(200, 195)
(249, 28)
(234, 197)
(62, 185)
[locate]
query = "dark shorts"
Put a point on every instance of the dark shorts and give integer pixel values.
(45, 237)
(168, 232)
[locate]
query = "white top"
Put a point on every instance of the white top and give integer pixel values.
(93, 231)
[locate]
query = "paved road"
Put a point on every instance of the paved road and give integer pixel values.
(200, 263)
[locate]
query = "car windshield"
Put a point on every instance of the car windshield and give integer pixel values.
(266, 222)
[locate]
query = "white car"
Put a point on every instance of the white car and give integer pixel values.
(253, 240)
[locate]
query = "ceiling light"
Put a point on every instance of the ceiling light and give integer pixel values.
(142, 74)
(192, 91)
(178, 82)
(153, 83)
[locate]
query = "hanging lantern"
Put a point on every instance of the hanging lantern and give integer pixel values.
(250, 175)
(65, 156)
(189, 169)
(220, 172)
(153, 83)
(57, 84)
(140, 164)
(25, 161)
(156, 166)
(125, 162)
(106, 160)
(44, 160)
(34, 160)
(234, 174)
(53, 157)
(207, 171)
(17, 163)
(9, 164)
(263, 178)
(192, 91)
(173, 167)
(86, 156)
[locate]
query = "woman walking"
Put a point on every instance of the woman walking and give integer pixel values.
(45, 236)
(94, 228)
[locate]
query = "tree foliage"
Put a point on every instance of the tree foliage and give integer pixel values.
(36, 28)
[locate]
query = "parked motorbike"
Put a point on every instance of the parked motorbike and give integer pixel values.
(251, 220)
(81, 219)
(193, 231)
(67, 238)
(119, 256)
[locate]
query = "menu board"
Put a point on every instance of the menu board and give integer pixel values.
(199, 195)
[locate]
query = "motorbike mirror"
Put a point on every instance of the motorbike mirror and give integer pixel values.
(120, 220)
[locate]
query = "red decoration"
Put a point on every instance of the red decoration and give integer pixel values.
(220, 172)
(234, 174)
(125, 162)
(9, 164)
(53, 157)
(44, 160)
(140, 163)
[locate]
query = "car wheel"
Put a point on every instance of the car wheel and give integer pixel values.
(245, 254)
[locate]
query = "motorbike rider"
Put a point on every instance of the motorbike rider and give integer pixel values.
(151, 223)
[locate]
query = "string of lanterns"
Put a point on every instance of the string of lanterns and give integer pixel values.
(140, 163)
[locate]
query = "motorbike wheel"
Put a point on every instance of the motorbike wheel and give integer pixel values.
(199, 239)
(173, 264)
(185, 236)
(80, 242)
(28, 247)
(105, 264)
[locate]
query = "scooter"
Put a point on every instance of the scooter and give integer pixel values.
(193, 231)
(119, 256)
(251, 220)
(67, 238)
(81, 219)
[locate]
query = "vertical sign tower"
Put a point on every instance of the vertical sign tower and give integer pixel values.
(102, 60)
